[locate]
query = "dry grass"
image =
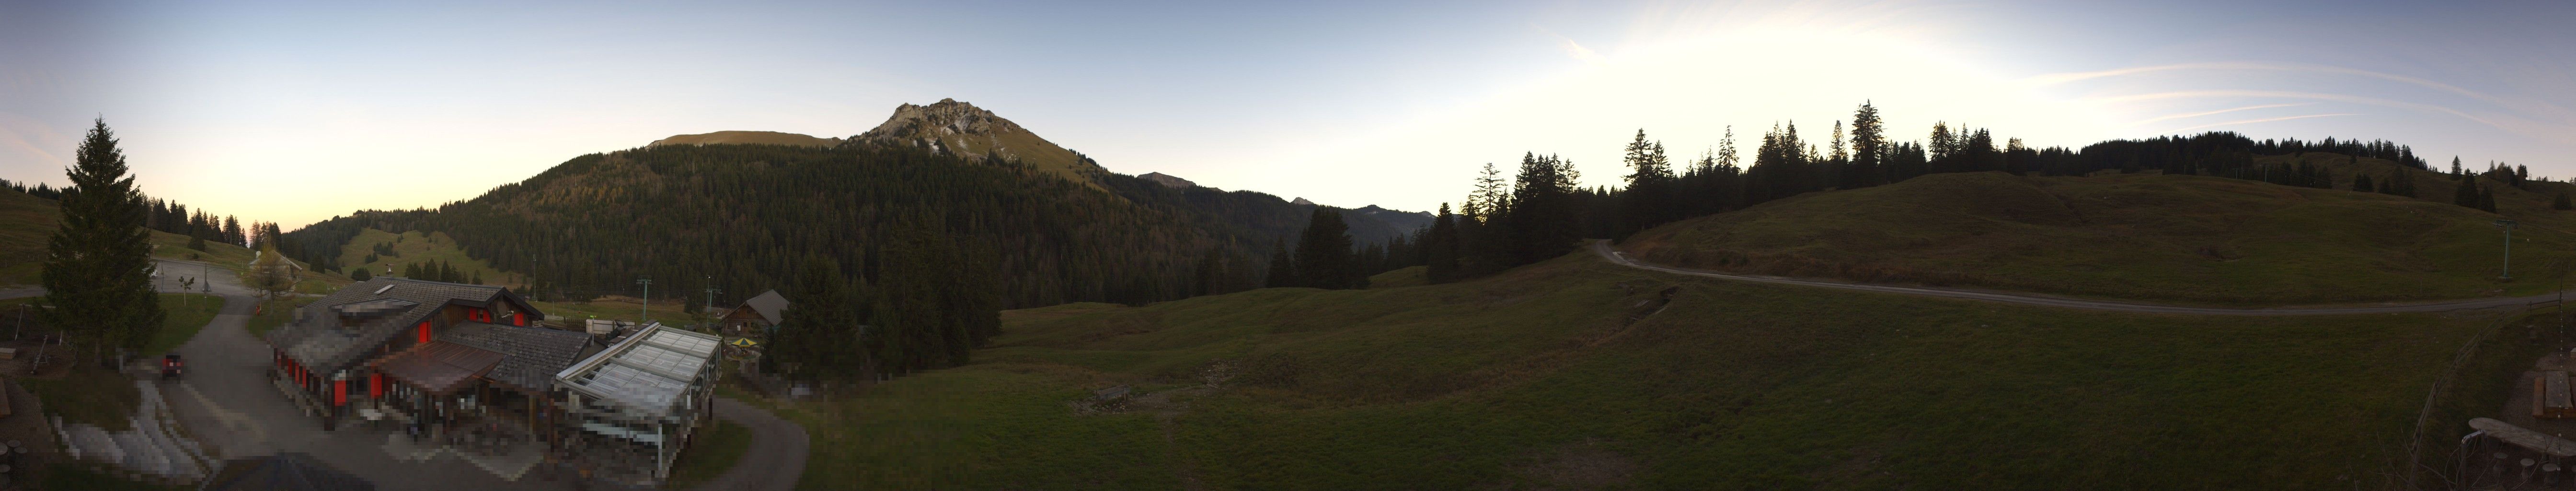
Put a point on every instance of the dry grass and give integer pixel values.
(2175, 238)
(1535, 379)
(748, 138)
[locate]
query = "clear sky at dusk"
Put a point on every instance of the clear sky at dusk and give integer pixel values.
(294, 112)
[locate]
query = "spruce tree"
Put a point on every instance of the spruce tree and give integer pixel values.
(1866, 138)
(1283, 269)
(98, 266)
(1440, 263)
(814, 333)
(1324, 256)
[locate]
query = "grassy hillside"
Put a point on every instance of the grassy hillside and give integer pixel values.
(1534, 379)
(2179, 238)
(416, 247)
(26, 222)
(748, 138)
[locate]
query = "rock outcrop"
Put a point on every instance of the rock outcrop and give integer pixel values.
(961, 129)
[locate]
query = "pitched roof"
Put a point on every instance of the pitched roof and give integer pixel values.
(439, 367)
(769, 304)
(316, 339)
(530, 356)
(291, 471)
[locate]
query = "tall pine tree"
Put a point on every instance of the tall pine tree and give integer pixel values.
(1324, 256)
(1440, 259)
(98, 266)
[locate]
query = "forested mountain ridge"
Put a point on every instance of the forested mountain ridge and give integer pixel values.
(1058, 226)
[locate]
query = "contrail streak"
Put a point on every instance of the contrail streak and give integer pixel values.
(2264, 120)
(2221, 111)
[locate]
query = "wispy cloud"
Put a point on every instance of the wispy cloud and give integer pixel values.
(2264, 120)
(1580, 53)
(2221, 111)
(2500, 102)
(25, 139)
(2203, 94)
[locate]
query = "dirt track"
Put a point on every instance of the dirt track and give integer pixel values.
(1603, 249)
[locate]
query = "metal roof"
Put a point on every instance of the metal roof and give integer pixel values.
(648, 373)
(769, 305)
(2525, 438)
(290, 471)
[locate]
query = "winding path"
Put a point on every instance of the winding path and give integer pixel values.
(1603, 249)
(777, 455)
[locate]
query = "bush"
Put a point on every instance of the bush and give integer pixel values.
(361, 274)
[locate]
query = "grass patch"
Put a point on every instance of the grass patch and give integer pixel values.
(1525, 378)
(717, 448)
(273, 313)
(1409, 276)
(617, 308)
(2141, 236)
(89, 395)
(416, 248)
(182, 315)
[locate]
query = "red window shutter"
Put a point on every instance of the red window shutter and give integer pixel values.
(424, 331)
(376, 385)
(339, 392)
(519, 319)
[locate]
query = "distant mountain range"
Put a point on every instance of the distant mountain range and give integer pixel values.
(745, 206)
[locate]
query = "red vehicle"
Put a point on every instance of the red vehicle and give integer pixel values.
(170, 366)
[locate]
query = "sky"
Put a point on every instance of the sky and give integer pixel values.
(295, 112)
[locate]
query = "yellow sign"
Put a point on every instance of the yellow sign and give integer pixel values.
(743, 343)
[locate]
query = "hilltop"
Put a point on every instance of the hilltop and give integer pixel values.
(747, 138)
(2141, 236)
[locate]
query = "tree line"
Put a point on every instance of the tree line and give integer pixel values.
(166, 216)
(1540, 212)
(928, 305)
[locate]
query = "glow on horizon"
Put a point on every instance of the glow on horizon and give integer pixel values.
(294, 112)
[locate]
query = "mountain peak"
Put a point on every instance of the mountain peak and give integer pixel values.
(946, 117)
(1301, 201)
(959, 128)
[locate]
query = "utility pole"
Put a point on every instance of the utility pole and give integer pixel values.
(2508, 248)
(711, 291)
(643, 313)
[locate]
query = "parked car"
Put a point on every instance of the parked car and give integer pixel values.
(170, 366)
